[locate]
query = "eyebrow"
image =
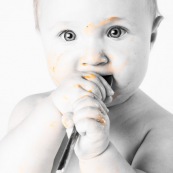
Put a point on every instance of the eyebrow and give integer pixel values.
(102, 23)
(109, 20)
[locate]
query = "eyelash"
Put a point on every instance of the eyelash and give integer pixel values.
(66, 32)
(122, 30)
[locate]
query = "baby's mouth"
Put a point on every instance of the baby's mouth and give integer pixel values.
(109, 79)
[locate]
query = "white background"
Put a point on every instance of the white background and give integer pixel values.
(23, 69)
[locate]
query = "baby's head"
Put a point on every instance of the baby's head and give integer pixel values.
(151, 6)
(108, 37)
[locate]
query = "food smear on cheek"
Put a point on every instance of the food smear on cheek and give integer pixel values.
(53, 63)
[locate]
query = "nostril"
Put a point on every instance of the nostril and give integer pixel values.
(94, 59)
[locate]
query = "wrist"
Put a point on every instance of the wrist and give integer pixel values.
(102, 162)
(93, 153)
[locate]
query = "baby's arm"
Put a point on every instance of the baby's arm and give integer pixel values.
(155, 155)
(34, 137)
(95, 151)
(36, 131)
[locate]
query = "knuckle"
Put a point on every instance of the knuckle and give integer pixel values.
(96, 104)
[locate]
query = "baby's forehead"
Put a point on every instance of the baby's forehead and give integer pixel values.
(89, 10)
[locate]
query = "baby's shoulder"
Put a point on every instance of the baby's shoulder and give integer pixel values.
(158, 117)
(24, 108)
(151, 112)
(156, 146)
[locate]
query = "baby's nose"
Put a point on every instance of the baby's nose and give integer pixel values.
(94, 59)
(94, 56)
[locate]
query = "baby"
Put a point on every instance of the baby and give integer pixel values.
(97, 53)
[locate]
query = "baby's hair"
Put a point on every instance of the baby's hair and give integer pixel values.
(151, 5)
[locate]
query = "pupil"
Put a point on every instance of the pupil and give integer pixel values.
(115, 32)
(69, 35)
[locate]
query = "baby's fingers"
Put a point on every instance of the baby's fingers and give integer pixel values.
(91, 129)
(94, 78)
(103, 85)
(109, 91)
(89, 113)
(88, 101)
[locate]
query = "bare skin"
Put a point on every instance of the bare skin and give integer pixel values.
(134, 136)
(138, 127)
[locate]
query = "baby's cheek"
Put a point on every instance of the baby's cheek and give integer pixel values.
(124, 73)
(53, 67)
(118, 67)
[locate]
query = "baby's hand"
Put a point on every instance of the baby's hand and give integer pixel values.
(92, 123)
(81, 99)
(77, 86)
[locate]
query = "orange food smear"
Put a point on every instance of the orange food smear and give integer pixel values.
(91, 27)
(77, 86)
(111, 19)
(101, 120)
(90, 76)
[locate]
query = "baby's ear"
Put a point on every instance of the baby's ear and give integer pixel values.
(155, 26)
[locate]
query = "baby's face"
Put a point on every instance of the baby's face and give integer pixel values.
(108, 37)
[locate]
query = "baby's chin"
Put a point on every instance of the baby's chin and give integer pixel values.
(120, 99)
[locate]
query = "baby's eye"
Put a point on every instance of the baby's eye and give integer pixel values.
(68, 35)
(116, 32)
